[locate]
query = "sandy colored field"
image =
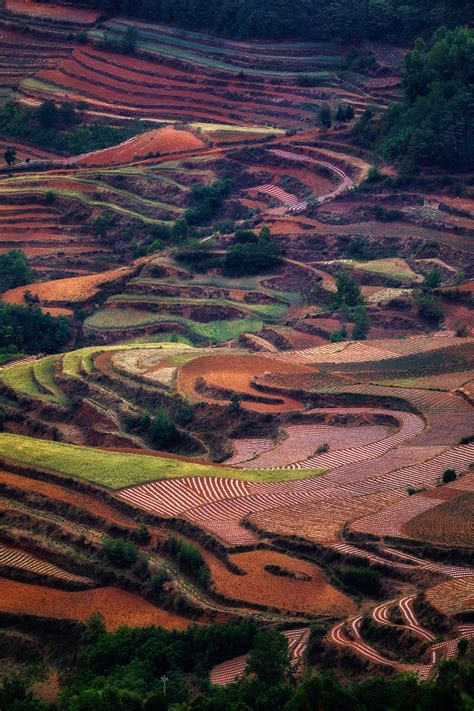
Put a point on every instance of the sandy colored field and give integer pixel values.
(163, 140)
(236, 372)
(70, 289)
(261, 587)
(117, 606)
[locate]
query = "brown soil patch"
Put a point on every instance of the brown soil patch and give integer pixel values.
(76, 498)
(59, 12)
(452, 523)
(71, 289)
(259, 586)
(164, 140)
(235, 372)
(117, 606)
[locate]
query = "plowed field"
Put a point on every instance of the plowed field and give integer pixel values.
(117, 606)
(236, 373)
(259, 586)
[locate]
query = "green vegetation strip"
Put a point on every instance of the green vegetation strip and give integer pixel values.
(275, 310)
(44, 371)
(116, 470)
(216, 331)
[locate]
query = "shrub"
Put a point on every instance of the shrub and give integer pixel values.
(363, 580)
(429, 309)
(120, 553)
(242, 259)
(449, 475)
(15, 270)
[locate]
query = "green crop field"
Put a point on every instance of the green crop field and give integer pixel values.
(20, 378)
(216, 331)
(43, 373)
(116, 470)
(275, 310)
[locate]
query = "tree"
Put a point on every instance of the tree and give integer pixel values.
(347, 290)
(429, 309)
(10, 156)
(162, 430)
(119, 552)
(269, 659)
(128, 43)
(234, 403)
(449, 475)
(434, 124)
(325, 117)
(15, 270)
(361, 323)
(250, 258)
(432, 279)
(47, 114)
(179, 230)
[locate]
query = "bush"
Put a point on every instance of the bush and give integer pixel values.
(363, 580)
(429, 309)
(189, 559)
(120, 553)
(449, 475)
(243, 259)
(15, 270)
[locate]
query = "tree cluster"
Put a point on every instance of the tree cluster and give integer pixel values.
(59, 127)
(15, 270)
(26, 329)
(394, 20)
(435, 123)
(124, 671)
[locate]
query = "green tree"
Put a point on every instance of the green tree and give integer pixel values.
(347, 290)
(325, 116)
(10, 156)
(119, 552)
(434, 124)
(269, 658)
(361, 323)
(15, 270)
(128, 42)
(429, 309)
(449, 475)
(432, 279)
(162, 430)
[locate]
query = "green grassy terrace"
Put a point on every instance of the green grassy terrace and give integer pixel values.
(215, 331)
(116, 470)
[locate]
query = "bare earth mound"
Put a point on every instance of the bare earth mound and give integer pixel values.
(162, 140)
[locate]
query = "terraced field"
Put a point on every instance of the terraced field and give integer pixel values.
(196, 405)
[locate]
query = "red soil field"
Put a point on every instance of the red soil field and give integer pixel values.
(164, 140)
(59, 493)
(70, 289)
(59, 12)
(451, 523)
(259, 586)
(117, 606)
(236, 373)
